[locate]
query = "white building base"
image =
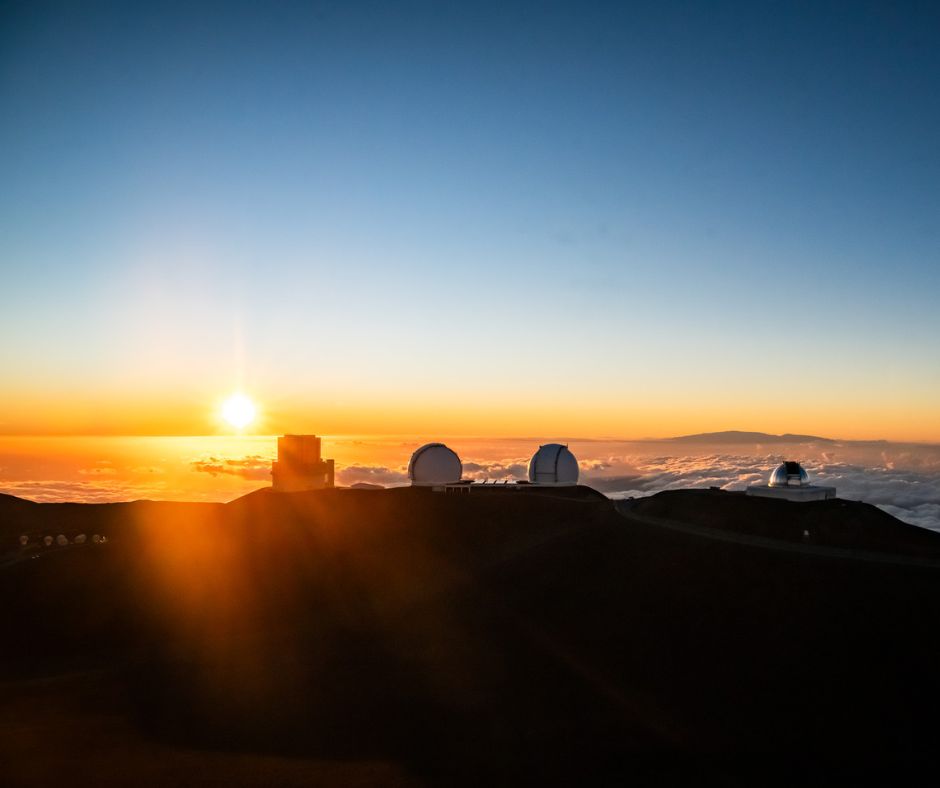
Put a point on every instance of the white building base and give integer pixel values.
(805, 492)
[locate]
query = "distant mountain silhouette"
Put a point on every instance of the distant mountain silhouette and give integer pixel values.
(739, 436)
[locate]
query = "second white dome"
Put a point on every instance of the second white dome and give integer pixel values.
(553, 464)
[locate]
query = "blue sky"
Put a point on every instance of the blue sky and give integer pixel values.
(659, 199)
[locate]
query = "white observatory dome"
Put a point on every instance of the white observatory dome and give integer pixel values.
(553, 464)
(789, 474)
(434, 463)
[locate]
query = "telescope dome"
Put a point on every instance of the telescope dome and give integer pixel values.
(789, 474)
(553, 464)
(434, 463)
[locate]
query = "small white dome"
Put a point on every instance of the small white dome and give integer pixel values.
(553, 464)
(789, 474)
(434, 463)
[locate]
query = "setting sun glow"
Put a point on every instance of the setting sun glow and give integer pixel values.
(238, 411)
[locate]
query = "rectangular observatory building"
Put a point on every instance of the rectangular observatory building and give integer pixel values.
(808, 492)
(299, 466)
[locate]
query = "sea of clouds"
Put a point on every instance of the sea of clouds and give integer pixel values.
(908, 494)
(902, 479)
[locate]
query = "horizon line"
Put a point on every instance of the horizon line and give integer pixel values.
(470, 436)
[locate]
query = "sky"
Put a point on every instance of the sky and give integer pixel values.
(617, 220)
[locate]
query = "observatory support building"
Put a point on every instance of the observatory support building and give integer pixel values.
(299, 466)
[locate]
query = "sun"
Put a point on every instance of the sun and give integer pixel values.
(239, 411)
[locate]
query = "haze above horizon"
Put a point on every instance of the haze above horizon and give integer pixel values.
(490, 219)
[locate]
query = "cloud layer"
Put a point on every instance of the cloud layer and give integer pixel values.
(907, 486)
(253, 466)
(904, 480)
(371, 474)
(54, 491)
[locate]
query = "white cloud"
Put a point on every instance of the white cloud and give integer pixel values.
(253, 466)
(54, 491)
(371, 474)
(511, 469)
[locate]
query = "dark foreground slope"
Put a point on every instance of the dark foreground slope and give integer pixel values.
(835, 523)
(405, 637)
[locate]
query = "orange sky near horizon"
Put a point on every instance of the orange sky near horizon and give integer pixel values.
(660, 416)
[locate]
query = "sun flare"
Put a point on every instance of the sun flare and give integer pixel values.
(239, 411)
